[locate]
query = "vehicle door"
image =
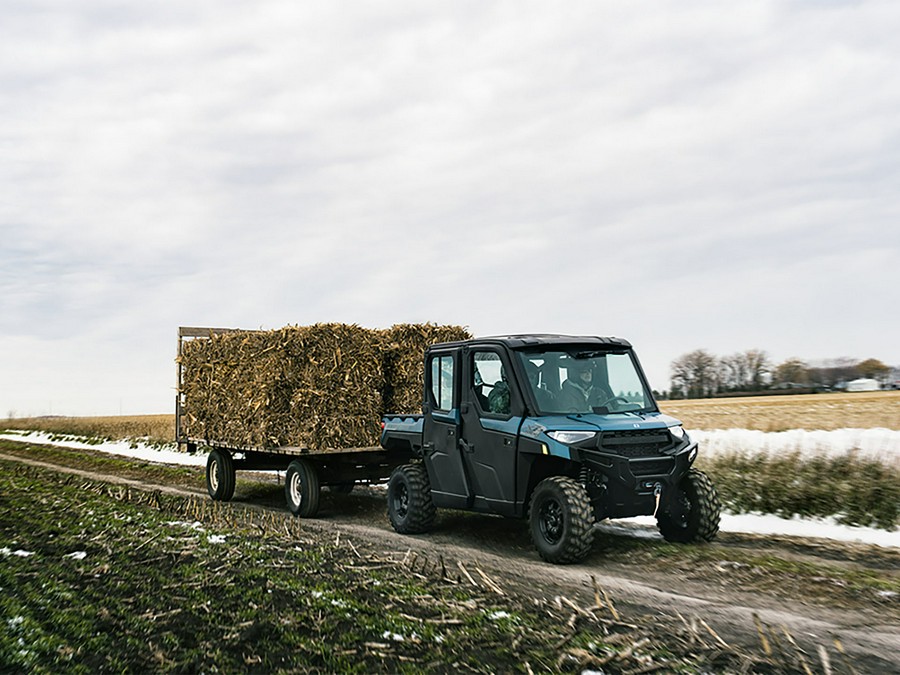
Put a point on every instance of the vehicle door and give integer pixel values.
(443, 456)
(491, 414)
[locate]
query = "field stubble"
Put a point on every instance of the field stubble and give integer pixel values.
(856, 410)
(103, 578)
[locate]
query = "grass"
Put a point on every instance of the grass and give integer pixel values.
(99, 578)
(855, 490)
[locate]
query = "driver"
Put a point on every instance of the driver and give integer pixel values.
(577, 391)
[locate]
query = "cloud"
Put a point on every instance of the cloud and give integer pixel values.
(695, 175)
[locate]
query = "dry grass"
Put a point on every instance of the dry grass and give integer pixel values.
(156, 428)
(857, 410)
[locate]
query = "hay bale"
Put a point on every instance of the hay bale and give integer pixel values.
(317, 387)
(405, 346)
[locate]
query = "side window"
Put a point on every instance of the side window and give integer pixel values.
(490, 385)
(442, 373)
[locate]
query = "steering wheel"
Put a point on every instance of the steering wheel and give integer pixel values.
(606, 403)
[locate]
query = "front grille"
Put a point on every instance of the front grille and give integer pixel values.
(636, 442)
(651, 467)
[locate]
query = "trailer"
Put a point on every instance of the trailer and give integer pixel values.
(306, 469)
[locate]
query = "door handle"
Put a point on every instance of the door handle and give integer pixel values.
(466, 447)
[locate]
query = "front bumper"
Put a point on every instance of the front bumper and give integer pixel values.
(622, 487)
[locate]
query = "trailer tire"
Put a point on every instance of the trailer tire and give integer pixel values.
(301, 488)
(561, 520)
(220, 475)
(699, 512)
(410, 507)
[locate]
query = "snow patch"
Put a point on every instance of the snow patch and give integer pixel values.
(76, 555)
(18, 553)
(132, 449)
(762, 523)
(877, 443)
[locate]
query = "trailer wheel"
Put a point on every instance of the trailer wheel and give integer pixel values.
(410, 508)
(301, 488)
(561, 520)
(220, 476)
(695, 512)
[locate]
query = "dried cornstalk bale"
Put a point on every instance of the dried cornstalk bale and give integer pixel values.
(405, 346)
(318, 387)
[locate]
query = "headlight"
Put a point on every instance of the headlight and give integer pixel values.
(570, 437)
(677, 432)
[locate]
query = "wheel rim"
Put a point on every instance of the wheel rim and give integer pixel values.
(214, 475)
(401, 500)
(551, 521)
(296, 495)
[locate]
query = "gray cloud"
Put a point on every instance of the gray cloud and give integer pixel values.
(692, 176)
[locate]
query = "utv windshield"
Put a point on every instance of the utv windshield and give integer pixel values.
(585, 381)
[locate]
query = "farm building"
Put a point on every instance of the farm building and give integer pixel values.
(863, 384)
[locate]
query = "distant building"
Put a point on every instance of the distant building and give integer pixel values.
(893, 381)
(863, 384)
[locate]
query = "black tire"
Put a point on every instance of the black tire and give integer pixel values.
(220, 476)
(301, 488)
(696, 512)
(561, 520)
(410, 508)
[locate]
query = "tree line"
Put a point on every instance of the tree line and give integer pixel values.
(700, 374)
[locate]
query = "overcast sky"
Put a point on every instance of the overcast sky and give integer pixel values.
(685, 175)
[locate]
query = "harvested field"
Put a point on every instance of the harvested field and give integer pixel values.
(250, 587)
(125, 581)
(857, 410)
(153, 428)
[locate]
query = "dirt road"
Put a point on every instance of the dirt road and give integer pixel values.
(731, 589)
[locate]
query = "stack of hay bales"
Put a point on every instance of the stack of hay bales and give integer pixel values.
(317, 387)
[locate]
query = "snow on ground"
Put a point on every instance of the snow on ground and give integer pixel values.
(880, 443)
(764, 523)
(133, 449)
(877, 443)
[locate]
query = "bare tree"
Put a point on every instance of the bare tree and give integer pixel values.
(734, 372)
(758, 368)
(874, 369)
(695, 375)
(793, 371)
(833, 371)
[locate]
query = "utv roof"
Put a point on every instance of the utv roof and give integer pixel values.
(543, 339)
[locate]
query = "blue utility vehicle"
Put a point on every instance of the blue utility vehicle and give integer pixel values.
(562, 431)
